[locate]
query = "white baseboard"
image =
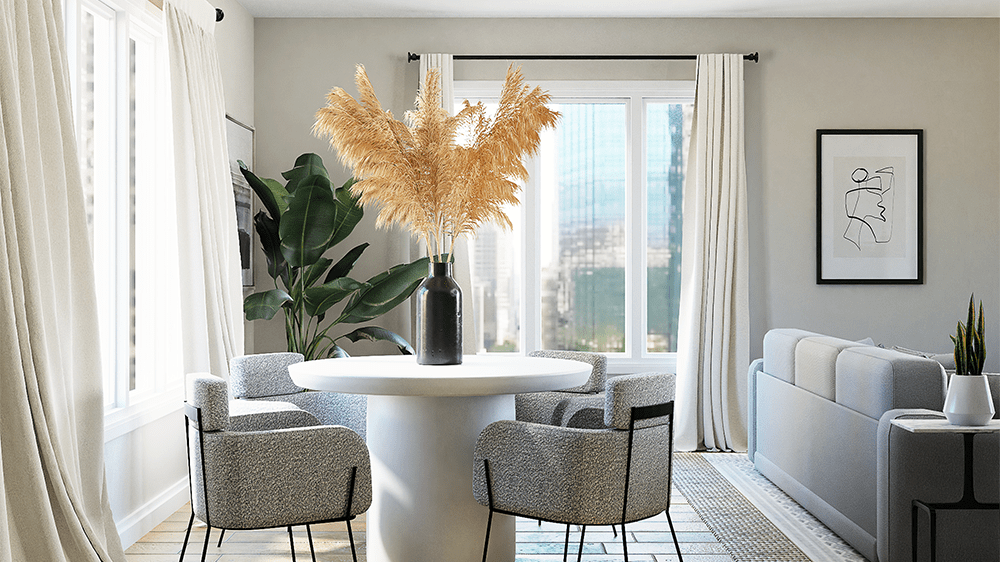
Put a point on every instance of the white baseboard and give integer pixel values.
(135, 525)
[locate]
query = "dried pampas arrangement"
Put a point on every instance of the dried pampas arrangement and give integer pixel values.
(416, 172)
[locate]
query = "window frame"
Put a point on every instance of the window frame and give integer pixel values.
(636, 94)
(155, 393)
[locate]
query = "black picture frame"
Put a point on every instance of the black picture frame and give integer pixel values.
(869, 206)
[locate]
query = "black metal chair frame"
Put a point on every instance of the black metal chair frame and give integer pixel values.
(638, 413)
(193, 415)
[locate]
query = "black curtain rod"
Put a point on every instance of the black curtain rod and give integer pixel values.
(414, 56)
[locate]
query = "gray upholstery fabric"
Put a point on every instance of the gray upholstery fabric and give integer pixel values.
(872, 380)
(247, 375)
(559, 407)
(929, 467)
(641, 389)
(274, 477)
(817, 434)
(576, 475)
(597, 376)
(265, 377)
(208, 392)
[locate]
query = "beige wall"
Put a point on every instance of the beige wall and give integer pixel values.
(937, 75)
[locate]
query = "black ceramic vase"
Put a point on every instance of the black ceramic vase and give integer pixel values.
(439, 317)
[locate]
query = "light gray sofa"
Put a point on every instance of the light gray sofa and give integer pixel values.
(820, 411)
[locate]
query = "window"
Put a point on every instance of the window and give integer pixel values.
(593, 261)
(117, 61)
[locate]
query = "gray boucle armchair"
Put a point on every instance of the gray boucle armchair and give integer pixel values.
(611, 476)
(573, 407)
(269, 470)
(264, 376)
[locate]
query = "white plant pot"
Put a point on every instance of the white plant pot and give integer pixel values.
(968, 401)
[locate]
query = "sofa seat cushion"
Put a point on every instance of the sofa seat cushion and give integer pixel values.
(872, 381)
(816, 364)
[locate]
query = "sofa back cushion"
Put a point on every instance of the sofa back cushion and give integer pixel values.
(779, 352)
(872, 381)
(816, 364)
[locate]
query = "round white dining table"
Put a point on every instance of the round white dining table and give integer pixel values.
(423, 422)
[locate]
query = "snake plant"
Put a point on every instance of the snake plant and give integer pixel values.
(970, 342)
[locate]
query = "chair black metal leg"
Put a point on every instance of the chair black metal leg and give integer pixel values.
(187, 535)
(291, 541)
(204, 550)
(312, 550)
(221, 535)
(486, 545)
(579, 552)
(624, 544)
(350, 535)
(673, 534)
(566, 546)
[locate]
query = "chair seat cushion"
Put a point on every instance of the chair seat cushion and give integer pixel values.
(567, 409)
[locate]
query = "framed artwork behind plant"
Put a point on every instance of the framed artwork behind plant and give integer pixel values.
(239, 138)
(869, 206)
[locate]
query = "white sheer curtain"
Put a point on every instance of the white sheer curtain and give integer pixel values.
(713, 349)
(463, 257)
(55, 503)
(208, 246)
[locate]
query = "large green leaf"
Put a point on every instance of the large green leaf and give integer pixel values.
(306, 165)
(271, 193)
(349, 213)
(346, 263)
(374, 333)
(315, 271)
(270, 242)
(319, 299)
(265, 305)
(387, 290)
(307, 226)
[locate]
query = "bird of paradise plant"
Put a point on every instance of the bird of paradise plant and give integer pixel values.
(419, 174)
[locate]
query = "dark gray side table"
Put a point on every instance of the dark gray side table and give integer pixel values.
(968, 500)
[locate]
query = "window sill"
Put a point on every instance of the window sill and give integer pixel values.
(122, 421)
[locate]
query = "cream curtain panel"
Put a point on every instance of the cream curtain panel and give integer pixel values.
(55, 503)
(463, 257)
(713, 349)
(208, 246)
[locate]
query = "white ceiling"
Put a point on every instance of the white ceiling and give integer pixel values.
(621, 8)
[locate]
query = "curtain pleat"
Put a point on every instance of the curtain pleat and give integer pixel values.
(208, 245)
(55, 504)
(713, 350)
(463, 257)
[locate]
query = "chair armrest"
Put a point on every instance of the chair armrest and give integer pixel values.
(930, 467)
(569, 474)
(288, 476)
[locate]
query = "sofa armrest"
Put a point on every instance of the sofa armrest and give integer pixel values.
(756, 366)
(930, 467)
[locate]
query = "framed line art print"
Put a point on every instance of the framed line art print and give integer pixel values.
(869, 206)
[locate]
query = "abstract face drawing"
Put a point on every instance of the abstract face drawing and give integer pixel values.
(868, 204)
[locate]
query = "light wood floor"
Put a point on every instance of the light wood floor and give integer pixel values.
(648, 541)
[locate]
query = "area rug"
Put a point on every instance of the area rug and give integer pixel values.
(752, 517)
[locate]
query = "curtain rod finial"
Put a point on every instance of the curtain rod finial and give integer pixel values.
(753, 56)
(410, 57)
(219, 14)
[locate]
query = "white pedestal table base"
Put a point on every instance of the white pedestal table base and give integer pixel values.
(422, 506)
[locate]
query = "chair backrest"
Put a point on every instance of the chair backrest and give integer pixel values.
(263, 374)
(598, 374)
